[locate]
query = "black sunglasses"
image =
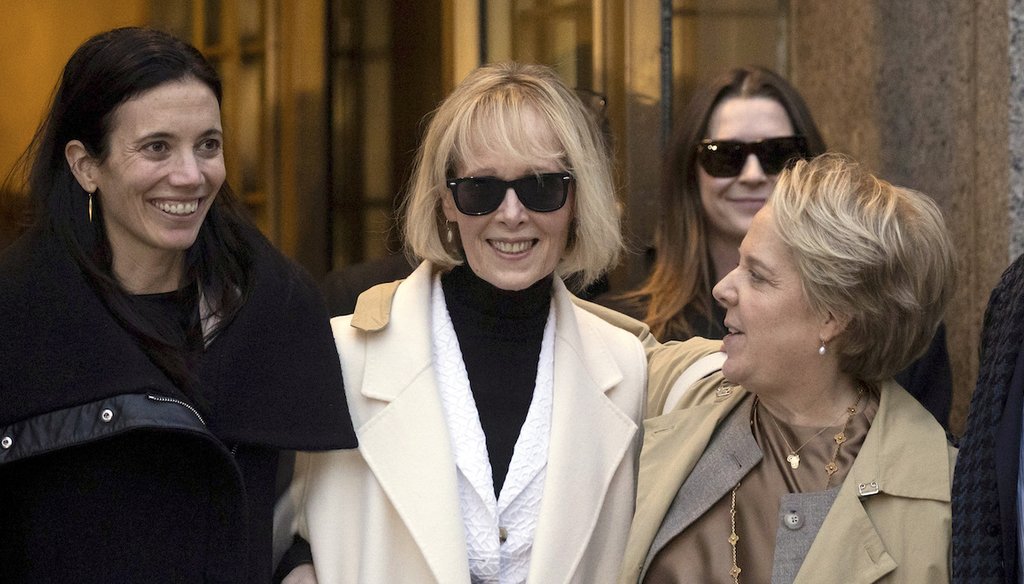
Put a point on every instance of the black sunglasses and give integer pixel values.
(480, 195)
(726, 158)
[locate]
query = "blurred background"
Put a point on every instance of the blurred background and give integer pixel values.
(324, 102)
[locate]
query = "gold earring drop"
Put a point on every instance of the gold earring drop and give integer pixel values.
(90, 207)
(449, 235)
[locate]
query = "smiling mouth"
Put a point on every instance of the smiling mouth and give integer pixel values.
(513, 246)
(180, 208)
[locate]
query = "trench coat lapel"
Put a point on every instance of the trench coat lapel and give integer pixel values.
(673, 444)
(729, 456)
(406, 444)
(891, 446)
(590, 436)
(860, 555)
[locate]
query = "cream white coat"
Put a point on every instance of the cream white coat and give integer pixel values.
(389, 511)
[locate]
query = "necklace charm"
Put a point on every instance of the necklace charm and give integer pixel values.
(794, 460)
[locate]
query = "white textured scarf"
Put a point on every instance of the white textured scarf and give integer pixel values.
(517, 509)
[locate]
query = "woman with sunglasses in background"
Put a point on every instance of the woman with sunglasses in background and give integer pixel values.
(735, 136)
(497, 419)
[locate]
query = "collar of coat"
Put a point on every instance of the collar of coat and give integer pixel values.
(272, 377)
(375, 307)
(905, 454)
(400, 441)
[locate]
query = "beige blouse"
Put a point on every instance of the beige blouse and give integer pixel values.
(702, 553)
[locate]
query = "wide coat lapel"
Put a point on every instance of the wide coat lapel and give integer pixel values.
(729, 456)
(902, 435)
(590, 436)
(406, 443)
(673, 444)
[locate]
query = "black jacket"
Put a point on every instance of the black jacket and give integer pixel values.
(107, 472)
(985, 480)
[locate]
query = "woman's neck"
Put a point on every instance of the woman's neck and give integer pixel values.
(159, 273)
(725, 255)
(814, 402)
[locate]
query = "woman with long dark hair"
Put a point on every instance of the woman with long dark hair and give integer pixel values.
(697, 239)
(157, 352)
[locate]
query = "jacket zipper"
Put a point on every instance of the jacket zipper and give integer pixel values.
(171, 400)
(234, 449)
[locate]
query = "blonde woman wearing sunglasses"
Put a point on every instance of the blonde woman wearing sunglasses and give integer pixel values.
(497, 419)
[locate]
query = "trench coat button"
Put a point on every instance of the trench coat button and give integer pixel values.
(107, 415)
(792, 520)
(7, 442)
(502, 534)
(992, 529)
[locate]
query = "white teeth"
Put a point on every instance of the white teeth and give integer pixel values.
(186, 208)
(512, 247)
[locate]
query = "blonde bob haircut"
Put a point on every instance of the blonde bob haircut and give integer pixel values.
(485, 114)
(874, 255)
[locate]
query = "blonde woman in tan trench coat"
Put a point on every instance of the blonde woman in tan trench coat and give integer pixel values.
(797, 458)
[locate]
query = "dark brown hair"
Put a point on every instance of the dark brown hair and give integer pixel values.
(682, 274)
(104, 72)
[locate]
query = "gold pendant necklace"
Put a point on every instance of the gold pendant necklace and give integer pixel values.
(794, 462)
(793, 458)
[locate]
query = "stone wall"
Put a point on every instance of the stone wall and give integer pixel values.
(919, 90)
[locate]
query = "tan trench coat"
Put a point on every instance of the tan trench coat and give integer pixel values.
(891, 518)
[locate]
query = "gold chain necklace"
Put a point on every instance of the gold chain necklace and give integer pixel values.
(830, 468)
(793, 458)
(734, 537)
(840, 438)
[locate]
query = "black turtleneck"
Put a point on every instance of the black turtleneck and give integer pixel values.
(500, 334)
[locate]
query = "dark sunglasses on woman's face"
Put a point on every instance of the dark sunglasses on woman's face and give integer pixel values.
(726, 158)
(480, 195)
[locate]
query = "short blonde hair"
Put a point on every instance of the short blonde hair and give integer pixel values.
(486, 111)
(870, 252)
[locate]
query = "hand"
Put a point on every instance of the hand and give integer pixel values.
(303, 574)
